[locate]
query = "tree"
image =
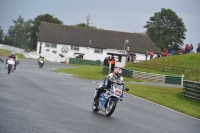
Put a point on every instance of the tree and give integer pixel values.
(87, 25)
(36, 24)
(1, 35)
(166, 28)
(19, 33)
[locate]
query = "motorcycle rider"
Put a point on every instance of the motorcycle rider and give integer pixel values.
(12, 55)
(116, 76)
(40, 59)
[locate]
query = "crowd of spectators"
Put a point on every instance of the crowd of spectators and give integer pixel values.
(169, 51)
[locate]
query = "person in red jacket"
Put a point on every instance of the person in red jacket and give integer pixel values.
(187, 48)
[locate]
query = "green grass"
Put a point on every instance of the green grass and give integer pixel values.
(84, 72)
(189, 61)
(168, 97)
(90, 72)
(130, 66)
(6, 53)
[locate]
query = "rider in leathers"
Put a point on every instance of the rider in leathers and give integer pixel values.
(12, 55)
(116, 76)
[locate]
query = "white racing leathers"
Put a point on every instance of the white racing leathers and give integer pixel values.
(10, 65)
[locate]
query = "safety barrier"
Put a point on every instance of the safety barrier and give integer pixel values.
(149, 76)
(191, 89)
(84, 62)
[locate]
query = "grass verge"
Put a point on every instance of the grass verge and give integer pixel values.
(168, 97)
(6, 53)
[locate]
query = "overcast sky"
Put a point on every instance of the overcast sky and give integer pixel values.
(117, 15)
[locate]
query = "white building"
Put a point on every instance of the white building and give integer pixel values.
(58, 43)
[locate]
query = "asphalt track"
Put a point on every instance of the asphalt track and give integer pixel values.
(34, 100)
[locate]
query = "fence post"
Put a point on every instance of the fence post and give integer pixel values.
(182, 78)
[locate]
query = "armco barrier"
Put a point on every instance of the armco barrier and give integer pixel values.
(191, 89)
(127, 73)
(173, 80)
(149, 76)
(84, 62)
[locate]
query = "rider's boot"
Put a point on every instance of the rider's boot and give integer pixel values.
(96, 101)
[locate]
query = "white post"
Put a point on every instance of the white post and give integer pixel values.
(126, 41)
(182, 77)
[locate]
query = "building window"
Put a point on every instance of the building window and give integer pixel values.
(47, 45)
(75, 48)
(98, 50)
(52, 45)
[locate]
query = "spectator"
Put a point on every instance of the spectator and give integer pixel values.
(180, 51)
(155, 55)
(112, 63)
(105, 63)
(187, 48)
(198, 48)
(133, 57)
(128, 58)
(165, 53)
(108, 61)
(146, 55)
(170, 50)
(191, 48)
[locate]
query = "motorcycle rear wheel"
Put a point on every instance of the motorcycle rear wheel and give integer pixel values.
(110, 108)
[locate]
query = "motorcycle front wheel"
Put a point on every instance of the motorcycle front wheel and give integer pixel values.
(9, 69)
(110, 108)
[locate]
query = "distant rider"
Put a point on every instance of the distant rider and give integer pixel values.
(12, 55)
(40, 59)
(116, 76)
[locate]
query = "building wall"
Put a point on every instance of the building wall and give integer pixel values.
(87, 51)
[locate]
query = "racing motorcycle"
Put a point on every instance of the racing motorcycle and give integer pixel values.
(10, 65)
(108, 100)
(41, 63)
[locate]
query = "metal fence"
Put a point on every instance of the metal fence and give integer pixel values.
(160, 67)
(84, 62)
(191, 89)
(159, 78)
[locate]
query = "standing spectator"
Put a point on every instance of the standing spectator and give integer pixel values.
(187, 48)
(180, 51)
(128, 58)
(146, 55)
(134, 57)
(198, 48)
(112, 64)
(109, 61)
(105, 63)
(170, 50)
(191, 48)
